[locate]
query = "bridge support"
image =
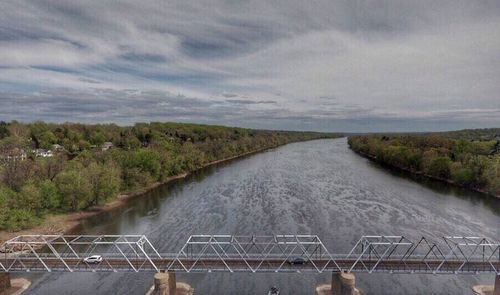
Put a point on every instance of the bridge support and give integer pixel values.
(165, 284)
(4, 281)
(488, 289)
(343, 283)
(496, 289)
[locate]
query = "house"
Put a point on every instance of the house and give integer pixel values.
(16, 154)
(43, 153)
(57, 148)
(106, 146)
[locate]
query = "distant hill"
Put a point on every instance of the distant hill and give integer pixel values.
(474, 134)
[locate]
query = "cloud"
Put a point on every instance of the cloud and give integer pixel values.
(229, 95)
(327, 65)
(247, 101)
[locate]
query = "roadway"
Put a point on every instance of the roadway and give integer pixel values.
(116, 264)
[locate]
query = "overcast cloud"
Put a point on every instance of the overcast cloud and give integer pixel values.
(307, 65)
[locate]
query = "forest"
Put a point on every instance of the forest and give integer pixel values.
(467, 158)
(48, 168)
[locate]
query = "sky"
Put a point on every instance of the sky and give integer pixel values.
(350, 65)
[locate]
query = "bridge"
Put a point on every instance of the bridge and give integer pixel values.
(229, 253)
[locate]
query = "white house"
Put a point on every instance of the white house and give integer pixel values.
(43, 153)
(15, 154)
(57, 147)
(106, 146)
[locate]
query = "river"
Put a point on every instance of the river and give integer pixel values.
(317, 187)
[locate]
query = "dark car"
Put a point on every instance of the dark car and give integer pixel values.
(297, 261)
(273, 291)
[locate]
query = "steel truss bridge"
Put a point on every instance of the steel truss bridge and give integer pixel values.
(228, 253)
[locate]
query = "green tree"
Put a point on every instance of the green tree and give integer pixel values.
(109, 182)
(74, 187)
(492, 175)
(46, 140)
(129, 141)
(105, 181)
(193, 157)
(4, 131)
(463, 176)
(6, 195)
(148, 161)
(135, 178)
(440, 167)
(18, 219)
(30, 198)
(51, 199)
(97, 138)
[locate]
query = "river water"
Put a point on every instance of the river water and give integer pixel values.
(317, 187)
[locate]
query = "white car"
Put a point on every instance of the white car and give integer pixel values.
(93, 259)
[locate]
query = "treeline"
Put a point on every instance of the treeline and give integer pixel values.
(473, 134)
(469, 163)
(84, 171)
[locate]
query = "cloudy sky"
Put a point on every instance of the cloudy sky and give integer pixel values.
(293, 64)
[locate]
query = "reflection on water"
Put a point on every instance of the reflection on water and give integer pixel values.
(318, 187)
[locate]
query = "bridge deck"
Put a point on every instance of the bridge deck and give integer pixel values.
(33, 264)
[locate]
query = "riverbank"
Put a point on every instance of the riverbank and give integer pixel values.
(422, 174)
(66, 223)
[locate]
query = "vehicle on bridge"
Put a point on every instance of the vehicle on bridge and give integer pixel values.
(297, 261)
(273, 291)
(94, 259)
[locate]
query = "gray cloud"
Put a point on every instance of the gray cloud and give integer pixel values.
(327, 65)
(247, 101)
(229, 95)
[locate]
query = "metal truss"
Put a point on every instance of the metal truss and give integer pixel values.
(66, 253)
(228, 253)
(278, 253)
(397, 254)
